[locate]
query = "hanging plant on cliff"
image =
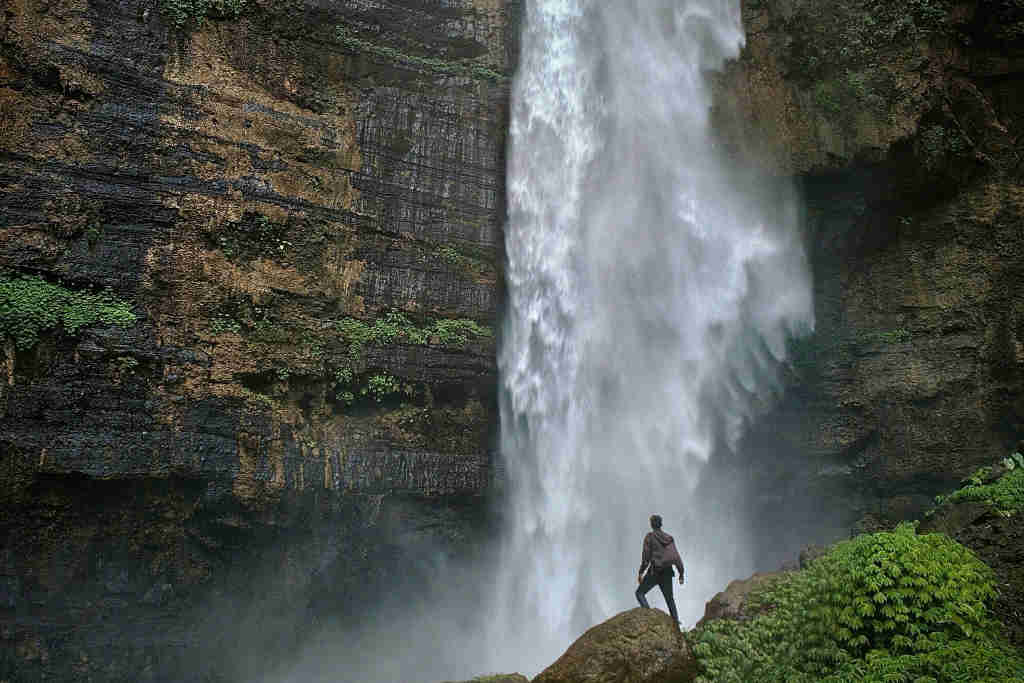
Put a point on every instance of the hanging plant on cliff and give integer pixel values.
(183, 13)
(891, 606)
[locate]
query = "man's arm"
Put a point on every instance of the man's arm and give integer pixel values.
(679, 566)
(645, 558)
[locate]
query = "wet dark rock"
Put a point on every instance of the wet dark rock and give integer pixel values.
(903, 151)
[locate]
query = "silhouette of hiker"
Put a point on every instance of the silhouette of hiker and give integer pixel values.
(656, 566)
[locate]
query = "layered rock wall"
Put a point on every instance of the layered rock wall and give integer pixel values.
(901, 124)
(301, 203)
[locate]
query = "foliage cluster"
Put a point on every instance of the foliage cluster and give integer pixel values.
(30, 305)
(1005, 495)
(394, 327)
(889, 606)
(184, 13)
(470, 67)
(397, 327)
(384, 385)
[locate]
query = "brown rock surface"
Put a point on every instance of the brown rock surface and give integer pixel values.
(638, 646)
(732, 602)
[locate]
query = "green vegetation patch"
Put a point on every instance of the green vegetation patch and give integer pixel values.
(31, 305)
(1005, 495)
(397, 327)
(472, 67)
(182, 13)
(393, 328)
(890, 606)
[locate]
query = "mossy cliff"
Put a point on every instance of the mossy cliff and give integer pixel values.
(250, 259)
(900, 123)
(249, 272)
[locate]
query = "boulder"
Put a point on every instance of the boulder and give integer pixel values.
(638, 646)
(732, 602)
(500, 678)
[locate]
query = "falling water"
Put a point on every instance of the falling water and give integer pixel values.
(651, 293)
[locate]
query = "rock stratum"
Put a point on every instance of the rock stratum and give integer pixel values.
(301, 205)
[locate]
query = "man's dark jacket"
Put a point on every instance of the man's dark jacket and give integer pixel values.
(660, 553)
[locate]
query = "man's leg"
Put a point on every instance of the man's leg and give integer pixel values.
(649, 582)
(665, 583)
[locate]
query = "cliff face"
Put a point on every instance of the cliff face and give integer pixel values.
(901, 123)
(295, 210)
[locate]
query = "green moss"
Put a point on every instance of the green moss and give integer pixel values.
(394, 327)
(470, 67)
(468, 263)
(890, 606)
(1005, 495)
(30, 305)
(182, 13)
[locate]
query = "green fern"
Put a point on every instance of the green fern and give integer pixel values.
(31, 305)
(890, 606)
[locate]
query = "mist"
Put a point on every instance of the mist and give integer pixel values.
(652, 290)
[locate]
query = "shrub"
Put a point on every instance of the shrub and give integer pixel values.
(890, 606)
(1005, 495)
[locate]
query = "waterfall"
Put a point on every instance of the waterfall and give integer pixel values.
(651, 293)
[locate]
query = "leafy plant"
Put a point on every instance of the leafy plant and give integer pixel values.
(1013, 461)
(890, 606)
(30, 305)
(382, 386)
(1005, 495)
(183, 13)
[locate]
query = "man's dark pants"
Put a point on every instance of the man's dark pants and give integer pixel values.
(661, 578)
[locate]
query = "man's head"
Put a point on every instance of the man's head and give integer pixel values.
(655, 521)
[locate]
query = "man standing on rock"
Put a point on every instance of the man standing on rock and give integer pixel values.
(656, 566)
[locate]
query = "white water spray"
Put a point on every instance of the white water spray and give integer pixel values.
(650, 297)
